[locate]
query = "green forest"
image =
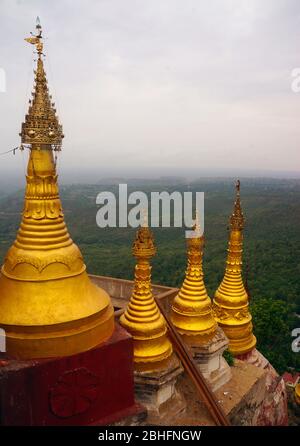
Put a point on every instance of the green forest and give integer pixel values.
(271, 246)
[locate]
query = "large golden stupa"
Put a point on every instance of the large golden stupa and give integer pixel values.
(48, 305)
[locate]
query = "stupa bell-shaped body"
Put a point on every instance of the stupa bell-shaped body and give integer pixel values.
(48, 305)
(142, 318)
(192, 310)
(231, 306)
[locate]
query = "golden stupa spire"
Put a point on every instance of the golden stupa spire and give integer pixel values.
(192, 309)
(142, 318)
(231, 306)
(48, 306)
(41, 124)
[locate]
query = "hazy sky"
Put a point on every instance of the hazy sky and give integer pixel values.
(169, 83)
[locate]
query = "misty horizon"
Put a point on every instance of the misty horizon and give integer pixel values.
(14, 179)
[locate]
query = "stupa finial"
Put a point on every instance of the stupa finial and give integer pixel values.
(237, 220)
(41, 124)
(37, 39)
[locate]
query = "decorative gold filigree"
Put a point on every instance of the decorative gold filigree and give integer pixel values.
(40, 264)
(41, 124)
(237, 220)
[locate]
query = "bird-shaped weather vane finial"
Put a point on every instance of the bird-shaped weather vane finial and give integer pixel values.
(36, 39)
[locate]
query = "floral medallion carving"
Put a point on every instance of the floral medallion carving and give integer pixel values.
(74, 393)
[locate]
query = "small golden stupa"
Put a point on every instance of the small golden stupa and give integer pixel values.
(192, 309)
(48, 305)
(230, 305)
(142, 318)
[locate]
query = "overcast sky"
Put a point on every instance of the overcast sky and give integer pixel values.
(168, 83)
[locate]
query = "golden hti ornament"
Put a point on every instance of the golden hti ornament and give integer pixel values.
(142, 318)
(192, 309)
(48, 305)
(230, 304)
